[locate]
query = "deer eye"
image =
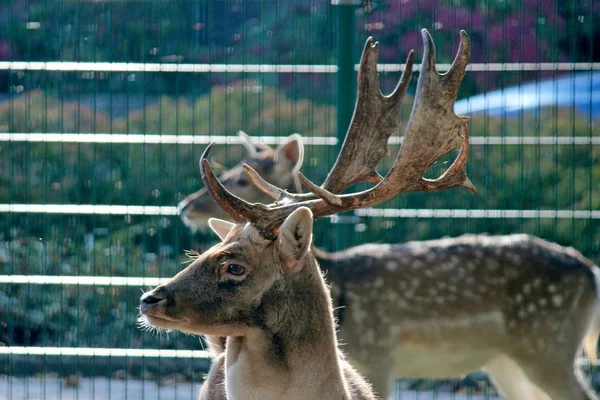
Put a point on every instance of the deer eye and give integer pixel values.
(236, 269)
(242, 182)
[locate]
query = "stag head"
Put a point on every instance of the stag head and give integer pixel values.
(224, 291)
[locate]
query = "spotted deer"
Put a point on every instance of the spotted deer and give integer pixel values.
(261, 286)
(442, 293)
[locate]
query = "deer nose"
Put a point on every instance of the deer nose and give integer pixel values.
(149, 298)
(152, 297)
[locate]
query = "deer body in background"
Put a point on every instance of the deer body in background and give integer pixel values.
(515, 305)
(261, 286)
(444, 308)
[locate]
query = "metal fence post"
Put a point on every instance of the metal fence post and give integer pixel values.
(345, 42)
(346, 92)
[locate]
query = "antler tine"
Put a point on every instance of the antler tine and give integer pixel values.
(270, 190)
(458, 68)
(278, 194)
(238, 209)
(319, 191)
(375, 119)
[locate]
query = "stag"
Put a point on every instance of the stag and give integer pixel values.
(261, 286)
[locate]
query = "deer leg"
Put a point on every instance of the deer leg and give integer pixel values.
(510, 380)
(561, 380)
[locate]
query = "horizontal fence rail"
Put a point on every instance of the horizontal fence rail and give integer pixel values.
(150, 353)
(81, 280)
(102, 352)
(68, 66)
(458, 213)
(88, 209)
(118, 138)
(371, 212)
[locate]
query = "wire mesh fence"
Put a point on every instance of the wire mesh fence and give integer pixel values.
(107, 105)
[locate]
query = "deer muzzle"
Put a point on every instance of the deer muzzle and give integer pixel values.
(154, 302)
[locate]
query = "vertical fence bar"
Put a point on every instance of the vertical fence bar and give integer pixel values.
(345, 86)
(345, 40)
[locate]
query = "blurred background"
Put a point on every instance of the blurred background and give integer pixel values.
(107, 105)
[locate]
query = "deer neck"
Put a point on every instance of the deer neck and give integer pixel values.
(292, 352)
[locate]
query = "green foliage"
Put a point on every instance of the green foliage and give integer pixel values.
(37, 111)
(226, 109)
(137, 174)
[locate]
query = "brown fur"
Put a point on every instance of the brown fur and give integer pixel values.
(214, 385)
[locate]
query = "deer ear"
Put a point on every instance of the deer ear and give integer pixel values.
(291, 153)
(290, 156)
(220, 227)
(295, 237)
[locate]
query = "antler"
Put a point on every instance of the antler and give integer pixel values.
(433, 130)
